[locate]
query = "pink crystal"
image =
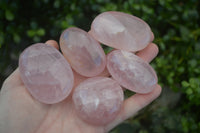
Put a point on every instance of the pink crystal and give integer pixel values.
(131, 71)
(121, 31)
(98, 100)
(84, 54)
(45, 73)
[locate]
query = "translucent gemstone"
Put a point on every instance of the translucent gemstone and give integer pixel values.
(98, 100)
(45, 73)
(121, 31)
(84, 54)
(131, 71)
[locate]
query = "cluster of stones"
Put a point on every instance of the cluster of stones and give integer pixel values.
(48, 75)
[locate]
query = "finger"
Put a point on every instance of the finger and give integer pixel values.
(90, 32)
(138, 101)
(13, 80)
(133, 104)
(152, 36)
(52, 43)
(148, 53)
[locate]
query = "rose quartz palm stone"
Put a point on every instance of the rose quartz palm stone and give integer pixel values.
(98, 100)
(84, 54)
(45, 73)
(121, 31)
(131, 71)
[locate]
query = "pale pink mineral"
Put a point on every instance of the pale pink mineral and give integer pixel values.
(121, 31)
(45, 73)
(84, 54)
(98, 100)
(131, 72)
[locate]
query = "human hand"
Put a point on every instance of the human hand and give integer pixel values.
(21, 113)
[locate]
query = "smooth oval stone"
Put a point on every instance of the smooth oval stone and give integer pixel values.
(84, 54)
(45, 73)
(131, 72)
(121, 31)
(98, 100)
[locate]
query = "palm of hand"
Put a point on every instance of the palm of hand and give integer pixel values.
(20, 113)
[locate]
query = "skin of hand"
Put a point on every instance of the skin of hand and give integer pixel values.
(21, 113)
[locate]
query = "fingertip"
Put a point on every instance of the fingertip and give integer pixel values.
(155, 48)
(52, 43)
(148, 53)
(152, 36)
(158, 90)
(133, 104)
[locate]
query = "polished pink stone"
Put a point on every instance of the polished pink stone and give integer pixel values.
(121, 31)
(45, 73)
(98, 100)
(84, 54)
(131, 71)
